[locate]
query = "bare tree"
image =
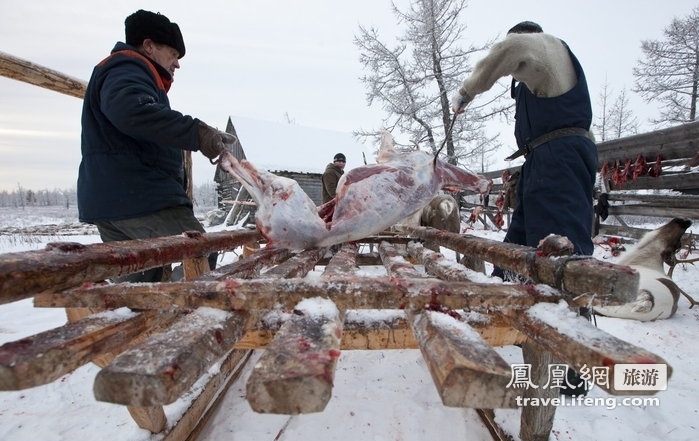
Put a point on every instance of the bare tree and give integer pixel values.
(615, 119)
(623, 122)
(413, 80)
(601, 124)
(669, 73)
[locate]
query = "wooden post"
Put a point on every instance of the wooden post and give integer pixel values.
(536, 421)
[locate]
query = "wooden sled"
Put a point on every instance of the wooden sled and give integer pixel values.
(153, 342)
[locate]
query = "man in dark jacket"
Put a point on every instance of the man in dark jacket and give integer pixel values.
(131, 181)
(331, 176)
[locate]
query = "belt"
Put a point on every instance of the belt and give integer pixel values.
(546, 137)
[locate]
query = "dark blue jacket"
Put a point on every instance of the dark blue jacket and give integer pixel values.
(132, 142)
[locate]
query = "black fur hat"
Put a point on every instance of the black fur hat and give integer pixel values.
(339, 157)
(145, 24)
(525, 27)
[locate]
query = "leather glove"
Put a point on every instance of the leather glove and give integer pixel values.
(459, 102)
(212, 142)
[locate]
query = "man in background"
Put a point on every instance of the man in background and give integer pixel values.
(131, 180)
(331, 176)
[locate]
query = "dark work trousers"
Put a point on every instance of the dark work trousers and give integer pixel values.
(167, 222)
(554, 195)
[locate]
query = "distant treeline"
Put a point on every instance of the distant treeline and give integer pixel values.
(204, 195)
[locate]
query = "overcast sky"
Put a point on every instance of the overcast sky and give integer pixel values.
(273, 60)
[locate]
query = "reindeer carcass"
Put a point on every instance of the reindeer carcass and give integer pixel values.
(657, 292)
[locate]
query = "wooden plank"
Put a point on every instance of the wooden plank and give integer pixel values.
(647, 210)
(656, 200)
(65, 265)
(28, 72)
(346, 292)
(197, 415)
(49, 355)
(465, 369)
(488, 418)
(157, 371)
(679, 181)
(576, 277)
(578, 343)
(672, 142)
(295, 374)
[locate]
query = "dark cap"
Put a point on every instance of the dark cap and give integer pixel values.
(525, 27)
(145, 24)
(340, 157)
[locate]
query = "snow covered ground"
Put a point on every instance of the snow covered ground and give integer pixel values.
(378, 395)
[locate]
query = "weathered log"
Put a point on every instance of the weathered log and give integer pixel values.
(297, 266)
(248, 267)
(295, 374)
(581, 345)
(672, 142)
(157, 371)
(683, 181)
(47, 356)
(437, 265)
(395, 263)
(386, 329)
(615, 284)
(465, 369)
(377, 329)
(344, 262)
(347, 292)
(65, 265)
(362, 259)
(28, 72)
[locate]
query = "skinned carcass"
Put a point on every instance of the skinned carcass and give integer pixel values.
(369, 199)
(657, 292)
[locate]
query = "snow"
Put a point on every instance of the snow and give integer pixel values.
(377, 395)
